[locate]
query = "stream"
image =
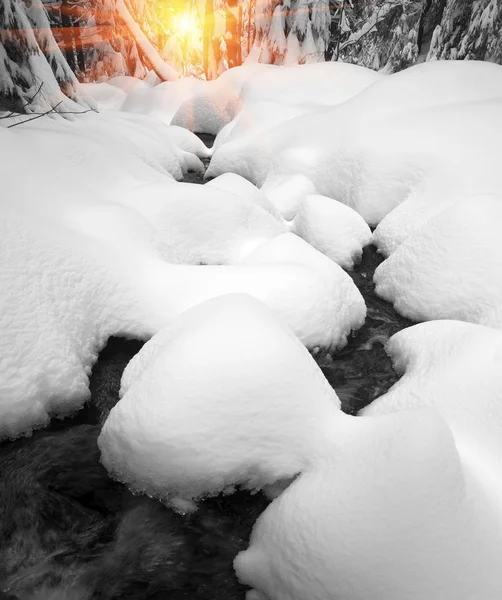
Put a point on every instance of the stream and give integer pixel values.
(65, 525)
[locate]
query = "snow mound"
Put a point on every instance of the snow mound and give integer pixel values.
(105, 96)
(205, 224)
(451, 268)
(116, 136)
(244, 188)
(332, 228)
(360, 152)
(325, 83)
(217, 102)
(128, 83)
(396, 515)
(287, 192)
(62, 297)
(276, 95)
(253, 119)
(453, 367)
(209, 403)
(162, 101)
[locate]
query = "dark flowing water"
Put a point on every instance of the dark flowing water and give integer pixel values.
(67, 529)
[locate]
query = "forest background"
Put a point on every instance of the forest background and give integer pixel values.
(48, 46)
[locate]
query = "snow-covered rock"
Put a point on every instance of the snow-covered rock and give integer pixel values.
(392, 514)
(451, 268)
(332, 228)
(372, 151)
(80, 261)
(209, 403)
(453, 367)
(287, 192)
(244, 188)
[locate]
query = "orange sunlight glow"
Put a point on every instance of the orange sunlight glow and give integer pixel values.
(185, 24)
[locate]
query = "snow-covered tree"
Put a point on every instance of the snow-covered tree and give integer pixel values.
(469, 30)
(292, 30)
(34, 74)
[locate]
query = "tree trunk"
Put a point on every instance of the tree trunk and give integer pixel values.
(208, 37)
(232, 36)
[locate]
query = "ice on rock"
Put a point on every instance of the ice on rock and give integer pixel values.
(332, 228)
(453, 367)
(393, 514)
(451, 268)
(209, 403)
(360, 152)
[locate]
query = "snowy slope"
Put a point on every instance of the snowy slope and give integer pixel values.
(393, 514)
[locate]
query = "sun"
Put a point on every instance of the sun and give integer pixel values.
(185, 24)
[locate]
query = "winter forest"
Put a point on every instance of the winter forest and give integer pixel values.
(250, 299)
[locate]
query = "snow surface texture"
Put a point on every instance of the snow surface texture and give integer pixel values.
(209, 403)
(451, 268)
(393, 513)
(82, 256)
(372, 151)
(453, 367)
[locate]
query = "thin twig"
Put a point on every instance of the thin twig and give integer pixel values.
(30, 100)
(52, 110)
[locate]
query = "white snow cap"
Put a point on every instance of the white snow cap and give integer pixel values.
(451, 268)
(392, 514)
(210, 403)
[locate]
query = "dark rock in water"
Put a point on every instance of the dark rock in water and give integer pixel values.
(106, 375)
(194, 177)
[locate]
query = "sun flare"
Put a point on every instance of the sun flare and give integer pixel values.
(186, 24)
